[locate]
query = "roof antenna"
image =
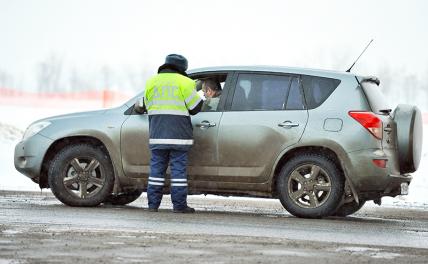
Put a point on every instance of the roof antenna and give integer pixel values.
(349, 70)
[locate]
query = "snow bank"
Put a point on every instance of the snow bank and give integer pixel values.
(14, 120)
(9, 133)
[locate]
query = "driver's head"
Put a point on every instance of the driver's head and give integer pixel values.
(211, 88)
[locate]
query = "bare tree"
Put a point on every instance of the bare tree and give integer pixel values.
(411, 88)
(424, 87)
(49, 74)
(76, 82)
(6, 80)
(107, 77)
(136, 78)
(3, 79)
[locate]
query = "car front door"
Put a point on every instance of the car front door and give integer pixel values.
(203, 157)
(265, 115)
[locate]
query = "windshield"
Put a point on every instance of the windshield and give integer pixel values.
(376, 98)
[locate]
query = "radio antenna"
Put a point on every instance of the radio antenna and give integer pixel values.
(349, 70)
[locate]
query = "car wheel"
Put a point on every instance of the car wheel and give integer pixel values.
(81, 175)
(310, 186)
(349, 208)
(123, 198)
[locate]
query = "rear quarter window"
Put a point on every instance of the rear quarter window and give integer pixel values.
(318, 89)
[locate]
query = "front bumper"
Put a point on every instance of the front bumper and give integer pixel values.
(29, 155)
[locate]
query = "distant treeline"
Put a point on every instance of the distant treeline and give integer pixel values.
(54, 75)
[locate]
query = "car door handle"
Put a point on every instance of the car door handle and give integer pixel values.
(205, 124)
(288, 124)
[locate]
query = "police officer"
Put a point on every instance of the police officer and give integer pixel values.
(170, 97)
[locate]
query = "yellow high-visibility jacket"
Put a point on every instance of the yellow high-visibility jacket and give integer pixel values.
(168, 98)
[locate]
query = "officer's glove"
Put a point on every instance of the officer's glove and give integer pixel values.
(202, 95)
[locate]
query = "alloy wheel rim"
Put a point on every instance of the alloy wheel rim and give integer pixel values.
(84, 177)
(309, 186)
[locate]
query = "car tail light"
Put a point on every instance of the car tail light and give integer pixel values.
(369, 121)
(381, 163)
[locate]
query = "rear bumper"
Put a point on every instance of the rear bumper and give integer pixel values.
(29, 155)
(371, 181)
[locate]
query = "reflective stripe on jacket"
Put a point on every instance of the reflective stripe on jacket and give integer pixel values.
(168, 98)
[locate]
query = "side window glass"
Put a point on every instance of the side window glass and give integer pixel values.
(242, 91)
(295, 97)
(318, 89)
(260, 92)
(213, 90)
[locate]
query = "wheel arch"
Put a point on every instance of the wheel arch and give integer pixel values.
(330, 149)
(59, 144)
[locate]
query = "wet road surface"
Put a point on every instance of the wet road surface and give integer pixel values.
(35, 227)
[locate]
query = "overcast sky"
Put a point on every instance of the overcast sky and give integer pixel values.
(125, 34)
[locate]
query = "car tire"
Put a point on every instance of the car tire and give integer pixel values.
(310, 186)
(81, 175)
(409, 137)
(123, 198)
(349, 208)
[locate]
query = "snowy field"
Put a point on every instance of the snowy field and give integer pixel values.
(15, 119)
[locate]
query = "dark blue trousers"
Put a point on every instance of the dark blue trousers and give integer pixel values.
(177, 160)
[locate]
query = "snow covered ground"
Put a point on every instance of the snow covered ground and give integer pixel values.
(15, 119)
(13, 122)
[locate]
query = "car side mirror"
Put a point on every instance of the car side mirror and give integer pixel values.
(139, 106)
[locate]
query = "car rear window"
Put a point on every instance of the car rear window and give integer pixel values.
(376, 98)
(318, 89)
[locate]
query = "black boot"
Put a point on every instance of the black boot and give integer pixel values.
(186, 210)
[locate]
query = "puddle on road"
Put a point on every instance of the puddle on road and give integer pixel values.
(370, 252)
(190, 252)
(12, 232)
(124, 236)
(280, 252)
(7, 261)
(386, 255)
(150, 237)
(133, 260)
(114, 243)
(357, 249)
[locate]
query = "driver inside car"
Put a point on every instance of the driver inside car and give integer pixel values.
(210, 90)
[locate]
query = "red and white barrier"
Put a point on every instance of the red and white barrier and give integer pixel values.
(104, 98)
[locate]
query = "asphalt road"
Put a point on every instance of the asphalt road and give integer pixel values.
(36, 228)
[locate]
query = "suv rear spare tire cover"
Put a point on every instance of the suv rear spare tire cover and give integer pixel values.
(409, 137)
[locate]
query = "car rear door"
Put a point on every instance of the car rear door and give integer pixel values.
(264, 115)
